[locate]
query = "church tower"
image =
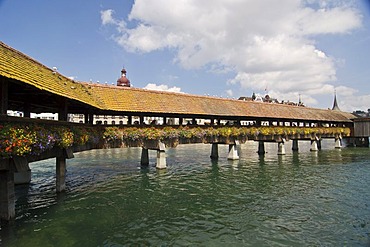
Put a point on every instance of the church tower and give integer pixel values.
(123, 81)
(335, 104)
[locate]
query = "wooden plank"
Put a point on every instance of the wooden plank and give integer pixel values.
(4, 96)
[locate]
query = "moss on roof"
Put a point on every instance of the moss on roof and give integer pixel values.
(16, 65)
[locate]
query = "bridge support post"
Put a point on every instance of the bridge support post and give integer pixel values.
(261, 148)
(319, 144)
(161, 156)
(314, 146)
(295, 147)
(214, 151)
(144, 157)
(161, 159)
(7, 194)
(281, 148)
(22, 173)
(61, 165)
(233, 152)
(60, 173)
(338, 143)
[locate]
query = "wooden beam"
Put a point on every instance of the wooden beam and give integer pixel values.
(63, 110)
(4, 96)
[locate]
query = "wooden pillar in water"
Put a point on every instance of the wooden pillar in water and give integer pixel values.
(22, 171)
(295, 147)
(281, 148)
(233, 152)
(61, 165)
(61, 173)
(314, 146)
(319, 144)
(214, 151)
(161, 156)
(338, 143)
(144, 157)
(161, 159)
(261, 148)
(7, 194)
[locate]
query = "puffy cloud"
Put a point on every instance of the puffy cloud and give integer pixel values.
(153, 86)
(267, 44)
(106, 17)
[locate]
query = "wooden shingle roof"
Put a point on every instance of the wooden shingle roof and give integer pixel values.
(150, 101)
(15, 65)
(18, 66)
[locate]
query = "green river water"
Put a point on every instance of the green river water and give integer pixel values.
(299, 199)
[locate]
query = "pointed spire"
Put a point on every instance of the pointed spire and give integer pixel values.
(335, 104)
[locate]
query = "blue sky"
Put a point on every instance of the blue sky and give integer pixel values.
(225, 48)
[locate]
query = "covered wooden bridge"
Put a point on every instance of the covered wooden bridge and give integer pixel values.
(29, 87)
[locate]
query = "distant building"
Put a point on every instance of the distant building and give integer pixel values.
(359, 113)
(268, 99)
(123, 81)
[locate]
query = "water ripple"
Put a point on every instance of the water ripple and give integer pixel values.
(305, 199)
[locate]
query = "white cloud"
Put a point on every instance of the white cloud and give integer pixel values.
(106, 17)
(153, 86)
(229, 92)
(266, 43)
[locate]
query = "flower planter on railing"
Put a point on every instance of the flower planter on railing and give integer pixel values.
(34, 139)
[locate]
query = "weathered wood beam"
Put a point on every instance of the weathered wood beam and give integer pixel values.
(4, 96)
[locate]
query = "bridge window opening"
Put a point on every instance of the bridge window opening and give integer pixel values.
(113, 122)
(121, 122)
(172, 121)
(105, 122)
